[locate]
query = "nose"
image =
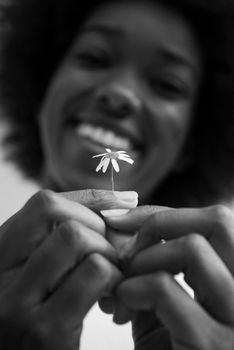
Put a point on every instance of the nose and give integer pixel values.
(117, 100)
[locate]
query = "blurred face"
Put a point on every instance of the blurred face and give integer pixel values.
(128, 82)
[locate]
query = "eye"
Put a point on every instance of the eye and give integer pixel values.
(93, 58)
(170, 88)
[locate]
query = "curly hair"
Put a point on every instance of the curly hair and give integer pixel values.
(37, 33)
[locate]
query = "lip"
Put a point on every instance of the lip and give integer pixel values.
(120, 127)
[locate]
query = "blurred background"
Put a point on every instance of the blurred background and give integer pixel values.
(99, 330)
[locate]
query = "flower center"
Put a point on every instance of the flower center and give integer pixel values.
(112, 155)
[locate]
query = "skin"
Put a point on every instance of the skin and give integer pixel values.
(64, 252)
(199, 243)
(58, 263)
(119, 76)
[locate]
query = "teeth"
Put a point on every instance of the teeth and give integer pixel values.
(109, 137)
(98, 133)
(84, 130)
(102, 136)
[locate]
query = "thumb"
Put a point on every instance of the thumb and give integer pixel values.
(148, 330)
(101, 199)
(131, 224)
(133, 220)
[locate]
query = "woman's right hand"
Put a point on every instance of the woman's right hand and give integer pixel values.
(55, 264)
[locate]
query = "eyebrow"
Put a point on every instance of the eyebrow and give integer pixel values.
(108, 31)
(173, 58)
(178, 59)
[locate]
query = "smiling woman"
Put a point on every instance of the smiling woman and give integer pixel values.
(156, 80)
(119, 86)
(118, 77)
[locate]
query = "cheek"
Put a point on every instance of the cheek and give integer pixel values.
(70, 76)
(64, 86)
(178, 122)
(68, 80)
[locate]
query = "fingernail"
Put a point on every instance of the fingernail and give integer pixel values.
(128, 250)
(114, 212)
(121, 314)
(126, 255)
(127, 196)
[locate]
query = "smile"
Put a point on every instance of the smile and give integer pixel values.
(103, 137)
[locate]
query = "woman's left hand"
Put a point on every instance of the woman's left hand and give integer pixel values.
(199, 243)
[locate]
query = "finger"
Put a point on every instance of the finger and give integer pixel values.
(69, 244)
(204, 271)
(121, 313)
(27, 229)
(146, 327)
(55, 209)
(85, 285)
(120, 241)
(132, 220)
(111, 305)
(101, 199)
(187, 321)
(122, 227)
(216, 223)
(156, 223)
(31, 225)
(106, 304)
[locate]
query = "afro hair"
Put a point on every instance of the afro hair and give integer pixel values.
(37, 33)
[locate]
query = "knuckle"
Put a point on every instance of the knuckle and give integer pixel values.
(223, 336)
(153, 219)
(149, 210)
(93, 195)
(98, 266)
(43, 330)
(39, 329)
(13, 307)
(154, 212)
(193, 242)
(162, 283)
(102, 198)
(5, 311)
(95, 198)
(96, 194)
(221, 215)
(46, 199)
(70, 232)
(151, 225)
(39, 333)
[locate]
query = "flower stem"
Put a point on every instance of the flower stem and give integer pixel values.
(112, 179)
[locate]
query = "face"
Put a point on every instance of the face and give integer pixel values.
(129, 82)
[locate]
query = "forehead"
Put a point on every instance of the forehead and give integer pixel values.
(149, 23)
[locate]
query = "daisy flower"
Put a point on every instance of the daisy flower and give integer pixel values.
(112, 157)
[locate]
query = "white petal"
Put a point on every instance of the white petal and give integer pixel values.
(99, 155)
(106, 162)
(121, 151)
(123, 156)
(100, 165)
(108, 150)
(115, 165)
(130, 161)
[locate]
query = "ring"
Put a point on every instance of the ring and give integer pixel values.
(162, 240)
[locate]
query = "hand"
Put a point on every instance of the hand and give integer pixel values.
(199, 243)
(55, 264)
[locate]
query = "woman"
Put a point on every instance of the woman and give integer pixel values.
(152, 79)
